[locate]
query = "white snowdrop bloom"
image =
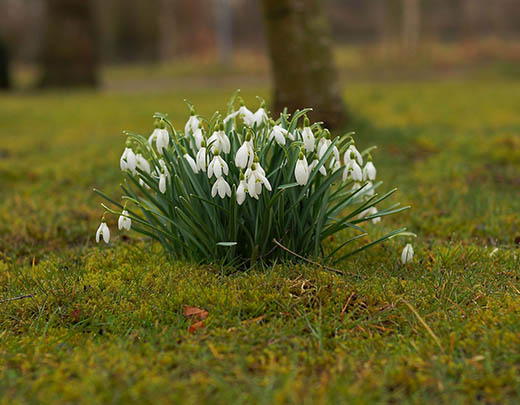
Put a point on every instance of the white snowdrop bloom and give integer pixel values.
(162, 139)
(353, 170)
(103, 231)
(369, 171)
(301, 171)
(142, 183)
(163, 167)
(128, 160)
(245, 154)
(162, 183)
(334, 165)
(202, 158)
(247, 116)
(314, 163)
(192, 124)
(369, 212)
(199, 137)
(142, 163)
(259, 117)
(308, 139)
(279, 134)
(231, 116)
(324, 144)
(369, 190)
(219, 141)
(222, 187)
(255, 176)
(407, 254)
(353, 153)
(217, 167)
(124, 221)
(191, 162)
(241, 191)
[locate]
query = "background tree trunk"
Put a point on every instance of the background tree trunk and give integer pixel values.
(301, 59)
(411, 23)
(5, 83)
(70, 51)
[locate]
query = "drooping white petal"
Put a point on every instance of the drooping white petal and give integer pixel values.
(301, 171)
(201, 159)
(247, 116)
(245, 155)
(124, 221)
(369, 171)
(191, 125)
(308, 139)
(98, 232)
(322, 169)
(279, 134)
(407, 254)
(199, 137)
(142, 163)
(241, 192)
(259, 117)
(162, 183)
(105, 232)
(163, 139)
(191, 162)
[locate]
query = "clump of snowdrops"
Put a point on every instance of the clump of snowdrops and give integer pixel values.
(235, 189)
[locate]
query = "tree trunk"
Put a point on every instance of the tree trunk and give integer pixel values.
(70, 49)
(301, 59)
(5, 83)
(411, 23)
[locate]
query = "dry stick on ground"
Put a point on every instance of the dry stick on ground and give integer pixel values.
(21, 297)
(337, 271)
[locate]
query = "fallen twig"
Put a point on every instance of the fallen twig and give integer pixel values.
(337, 271)
(21, 297)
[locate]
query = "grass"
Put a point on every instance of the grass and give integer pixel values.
(105, 324)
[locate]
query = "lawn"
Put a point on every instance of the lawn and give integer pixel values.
(105, 324)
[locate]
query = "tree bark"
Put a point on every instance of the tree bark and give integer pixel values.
(70, 49)
(301, 59)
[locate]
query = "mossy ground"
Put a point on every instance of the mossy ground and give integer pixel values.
(105, 324)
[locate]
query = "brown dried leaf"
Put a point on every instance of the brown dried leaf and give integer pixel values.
(194, 312)
(196, 326)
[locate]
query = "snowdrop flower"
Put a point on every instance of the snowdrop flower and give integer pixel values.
(247, 116)
(128, 160)
(255, 176)
(201, 157)
(308, 137)
(219, 140)
(231, 116)
(369, 171)
(314, 163)
(259, 117)
(301, 171)
(407, 255)
(245, 154)
(217, 166)
(369, 212)
(162, 183)
(162, 167)
(103, 231)
(192, 124)
(241, 190)
(353, 153)
(142, 163)
(324, 144)
(222, 187)
(352, 168)
(124, 221)
(199, 137)
(162, 141)
(279, 134)
(191, 162)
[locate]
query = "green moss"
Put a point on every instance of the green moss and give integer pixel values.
(105, 323)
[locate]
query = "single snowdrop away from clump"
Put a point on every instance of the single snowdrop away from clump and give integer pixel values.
(103, 232)
(226, 187)
(407, 254)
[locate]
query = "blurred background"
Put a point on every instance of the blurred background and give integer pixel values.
(161, 43)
